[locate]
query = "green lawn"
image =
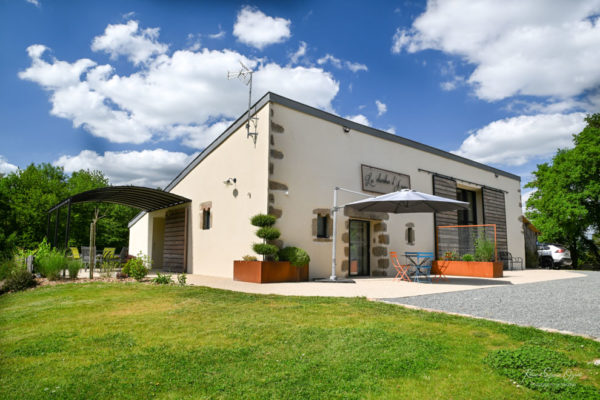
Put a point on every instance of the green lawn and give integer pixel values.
(119, 341)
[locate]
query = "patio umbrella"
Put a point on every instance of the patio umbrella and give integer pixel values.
(408, 201)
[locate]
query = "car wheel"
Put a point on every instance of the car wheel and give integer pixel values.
(547, 262)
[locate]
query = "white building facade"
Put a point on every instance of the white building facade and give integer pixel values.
(290, 169)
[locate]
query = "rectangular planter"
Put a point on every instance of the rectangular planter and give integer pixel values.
(268, 272)
(481, 269)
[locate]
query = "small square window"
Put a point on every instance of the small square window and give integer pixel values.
(206, 219)
(322, 226)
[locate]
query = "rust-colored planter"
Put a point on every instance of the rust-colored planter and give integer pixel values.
(492, 269)
(268, 272)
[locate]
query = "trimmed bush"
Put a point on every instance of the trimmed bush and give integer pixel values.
(261, 220)
(265, 249)
(268, 233)
(249, 258)
(19, 279)
(296, 256)
(468, 257)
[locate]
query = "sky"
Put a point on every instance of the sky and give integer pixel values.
(137, 88)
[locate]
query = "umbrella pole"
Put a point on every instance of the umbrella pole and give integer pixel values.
(333, 277)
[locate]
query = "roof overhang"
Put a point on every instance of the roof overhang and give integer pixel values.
(143, 198)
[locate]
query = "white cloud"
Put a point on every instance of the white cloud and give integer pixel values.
(392, 129)
(138, 45)
(336, 62)
(355, 67)
(524, 197)
(219, 35)
(381, 108)
(518, 140)
(6, 167)
(328, 58)
(256, 29)
(299, 54)
(535, 47)
(34, 2)
(152, 168)
(359, 119)
(186, 91)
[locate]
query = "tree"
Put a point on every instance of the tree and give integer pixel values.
(566, 203)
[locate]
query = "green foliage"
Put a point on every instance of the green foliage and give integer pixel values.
(262, 220)
(468, 257)
(51, 264)
(182, 279)
(19, 279)
(296, 256)
(268, 233)
(249, 258)
(74, 266)
(566, 202)
(162, 279)
(138, 267)
(541, 369)
(484, 249)
(26, 195)
(265, 249)
(451, 256)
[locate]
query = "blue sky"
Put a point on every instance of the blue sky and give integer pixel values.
(137, 88)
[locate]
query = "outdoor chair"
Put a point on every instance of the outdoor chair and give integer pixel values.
(422, 262)
(85, 256)
(402, 270)
(123, 255)
(75, 253)
(108, 254)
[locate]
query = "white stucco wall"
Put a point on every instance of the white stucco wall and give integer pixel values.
(139, 237)
(319, 155)
(230, 237)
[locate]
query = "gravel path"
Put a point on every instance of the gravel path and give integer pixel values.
(568, 305)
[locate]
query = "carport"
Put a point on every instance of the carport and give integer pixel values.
(142, 198)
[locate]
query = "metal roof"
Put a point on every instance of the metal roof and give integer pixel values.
(144, 198)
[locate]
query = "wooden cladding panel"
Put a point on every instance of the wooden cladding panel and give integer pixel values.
(445, 187)
(175, 241)
(494, 212)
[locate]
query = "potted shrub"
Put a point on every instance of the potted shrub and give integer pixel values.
(481, 264)
(271, 268)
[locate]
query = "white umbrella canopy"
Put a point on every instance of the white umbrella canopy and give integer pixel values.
(408, 201)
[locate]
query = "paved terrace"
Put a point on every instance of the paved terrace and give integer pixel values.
(381, 288)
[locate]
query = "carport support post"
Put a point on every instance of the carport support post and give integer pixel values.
(67, 230)
(56, 227)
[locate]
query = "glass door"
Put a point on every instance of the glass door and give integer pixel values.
(359, 248)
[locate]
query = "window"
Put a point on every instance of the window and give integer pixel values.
(206, 218)
(322, 225)
(467, 217)
(409, 234)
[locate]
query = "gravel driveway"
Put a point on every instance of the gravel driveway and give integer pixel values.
(568, 305)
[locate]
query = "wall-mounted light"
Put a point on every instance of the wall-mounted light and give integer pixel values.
(230, 181)
(346, 129)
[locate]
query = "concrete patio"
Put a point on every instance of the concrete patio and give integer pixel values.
(378, 288)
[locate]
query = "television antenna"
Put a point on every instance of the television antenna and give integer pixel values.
(245, 75)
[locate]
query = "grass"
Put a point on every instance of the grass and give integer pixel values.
(140, 341)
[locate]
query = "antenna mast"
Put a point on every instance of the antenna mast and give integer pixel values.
(245, 75)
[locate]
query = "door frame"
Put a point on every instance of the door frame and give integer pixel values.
(368, 247)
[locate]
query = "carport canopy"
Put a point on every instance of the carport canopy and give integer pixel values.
(143, 198)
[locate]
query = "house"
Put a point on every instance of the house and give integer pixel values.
(290, 169)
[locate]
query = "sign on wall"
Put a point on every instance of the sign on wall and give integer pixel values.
(382, 181)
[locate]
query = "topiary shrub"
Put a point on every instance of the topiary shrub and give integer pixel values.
(266, 232)
(468, 257)
(296, 256)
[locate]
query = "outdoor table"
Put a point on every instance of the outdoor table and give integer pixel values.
(421, 262)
